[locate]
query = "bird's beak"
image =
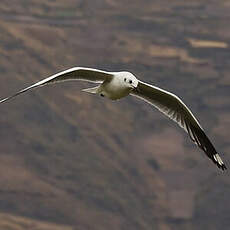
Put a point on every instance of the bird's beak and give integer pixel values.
(133, 88)
(136, 89)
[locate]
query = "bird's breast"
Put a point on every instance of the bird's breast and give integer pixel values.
(114, 90)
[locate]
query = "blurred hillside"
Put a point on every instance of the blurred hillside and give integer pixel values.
(69, 160)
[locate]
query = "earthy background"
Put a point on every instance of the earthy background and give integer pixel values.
(69, 160)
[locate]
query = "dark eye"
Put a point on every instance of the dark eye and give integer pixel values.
(124, 79)
(130, 81)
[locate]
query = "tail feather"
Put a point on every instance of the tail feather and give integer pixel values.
(92, 90)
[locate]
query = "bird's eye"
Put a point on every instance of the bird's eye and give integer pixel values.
(124, 79)
(130, 81)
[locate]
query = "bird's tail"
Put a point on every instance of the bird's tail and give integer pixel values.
(92, 90)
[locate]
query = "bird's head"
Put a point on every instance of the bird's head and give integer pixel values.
(129, 80)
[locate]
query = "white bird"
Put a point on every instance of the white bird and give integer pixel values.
(116, 85)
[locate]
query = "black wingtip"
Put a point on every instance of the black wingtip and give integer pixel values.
(199, 137)
(223, 167)
(219, 164)
(218, 161)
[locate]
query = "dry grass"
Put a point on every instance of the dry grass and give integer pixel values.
(207, 44)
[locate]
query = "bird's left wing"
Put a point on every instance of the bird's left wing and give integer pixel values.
(173, 107)
(76, 73)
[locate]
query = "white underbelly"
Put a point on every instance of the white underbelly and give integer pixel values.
(113, 91)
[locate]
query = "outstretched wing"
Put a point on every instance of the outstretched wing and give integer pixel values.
(175, 109)
(76, 73)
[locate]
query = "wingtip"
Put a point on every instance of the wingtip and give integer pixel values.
(3, 100)
(218, 161)
(223, 167)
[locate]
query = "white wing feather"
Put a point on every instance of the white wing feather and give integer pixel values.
(76, 73)
(173, 107)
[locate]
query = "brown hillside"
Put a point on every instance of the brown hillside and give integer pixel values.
(69, 160)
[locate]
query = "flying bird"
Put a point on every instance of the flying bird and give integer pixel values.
(116, 85)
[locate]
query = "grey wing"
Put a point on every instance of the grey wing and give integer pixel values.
(76, 73)
(173, 107)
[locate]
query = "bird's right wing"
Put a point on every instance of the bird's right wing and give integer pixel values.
(174, 108)
(76, 73)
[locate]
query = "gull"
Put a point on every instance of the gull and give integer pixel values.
(116, 85)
